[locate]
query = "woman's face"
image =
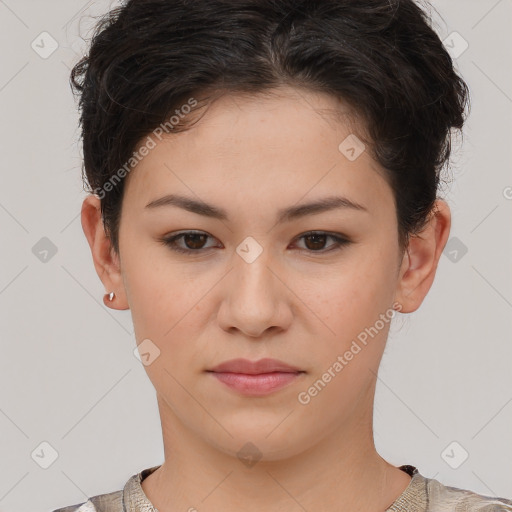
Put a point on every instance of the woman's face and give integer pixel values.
(254, 286)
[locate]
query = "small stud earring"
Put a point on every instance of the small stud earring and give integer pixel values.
(111, 296)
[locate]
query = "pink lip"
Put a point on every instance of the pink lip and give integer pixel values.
(254, 367)
(256, 378)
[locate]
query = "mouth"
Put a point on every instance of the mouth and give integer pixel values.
(259, 384)
(256, 378)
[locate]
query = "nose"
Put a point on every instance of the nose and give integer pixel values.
(255, 298)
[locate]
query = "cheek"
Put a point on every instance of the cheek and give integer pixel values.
(354, 297)
(163, 311)
(356, 308)
(152, 294)
(166, 308)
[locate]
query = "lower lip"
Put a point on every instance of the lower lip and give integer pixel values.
(256, 385)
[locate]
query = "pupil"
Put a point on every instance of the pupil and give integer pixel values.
(197, 235)
(316, 237)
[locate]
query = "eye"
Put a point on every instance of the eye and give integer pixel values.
(194, 241)
(315, 240)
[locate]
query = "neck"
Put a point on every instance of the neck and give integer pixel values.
(342, 468)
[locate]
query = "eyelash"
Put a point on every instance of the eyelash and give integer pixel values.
(171, 242)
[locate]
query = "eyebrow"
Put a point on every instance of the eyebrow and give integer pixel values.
(284, 215)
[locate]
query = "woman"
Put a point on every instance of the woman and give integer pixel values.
(264, 178)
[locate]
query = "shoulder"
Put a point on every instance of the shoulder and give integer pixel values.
(429, 495)
(445, 498)
(110, 502)
(130, 495)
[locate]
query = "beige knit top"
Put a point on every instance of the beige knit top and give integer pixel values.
(421, 495)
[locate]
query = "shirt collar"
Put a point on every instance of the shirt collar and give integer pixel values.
(414, 495)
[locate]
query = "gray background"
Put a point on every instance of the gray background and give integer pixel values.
(68, 375)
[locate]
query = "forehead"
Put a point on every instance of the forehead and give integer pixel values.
(280, 145)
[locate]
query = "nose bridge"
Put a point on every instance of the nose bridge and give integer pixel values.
(253, 279)
(252, 304)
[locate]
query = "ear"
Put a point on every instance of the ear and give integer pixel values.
(420, 260)
(106, 261)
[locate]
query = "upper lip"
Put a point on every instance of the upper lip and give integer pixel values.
(254, 367)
